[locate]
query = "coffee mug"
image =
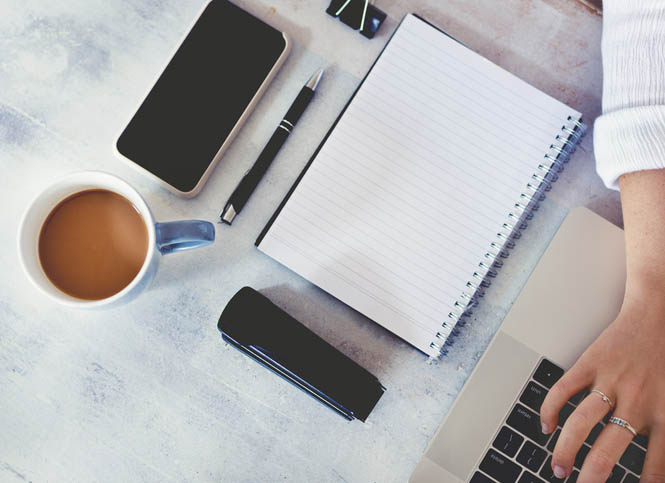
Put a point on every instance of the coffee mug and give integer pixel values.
(163, 238)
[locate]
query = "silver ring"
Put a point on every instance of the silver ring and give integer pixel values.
(605, 398)
(624, 424)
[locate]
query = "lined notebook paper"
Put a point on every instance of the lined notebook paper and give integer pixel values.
(421, 184)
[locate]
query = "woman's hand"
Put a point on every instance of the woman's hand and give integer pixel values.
(626, 363)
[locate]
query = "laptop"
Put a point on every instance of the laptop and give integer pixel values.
(492, 432)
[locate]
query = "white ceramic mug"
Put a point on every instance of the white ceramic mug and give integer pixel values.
(163, 238)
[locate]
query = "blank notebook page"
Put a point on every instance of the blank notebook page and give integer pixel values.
(411, 186)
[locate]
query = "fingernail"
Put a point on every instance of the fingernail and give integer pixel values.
(545, 428)
(559, 472)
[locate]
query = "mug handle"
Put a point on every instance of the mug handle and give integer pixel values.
(177, 236)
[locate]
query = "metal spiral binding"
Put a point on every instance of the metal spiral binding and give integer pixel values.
(553, 163)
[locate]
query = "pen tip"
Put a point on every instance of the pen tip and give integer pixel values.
(314, 80)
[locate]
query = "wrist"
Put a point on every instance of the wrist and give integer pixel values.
(645, 287)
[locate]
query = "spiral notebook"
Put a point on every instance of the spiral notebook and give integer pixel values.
(422, 184)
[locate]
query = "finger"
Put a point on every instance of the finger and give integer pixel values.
(576, 429)
(654, 464)
(572, 382)
(605, 452)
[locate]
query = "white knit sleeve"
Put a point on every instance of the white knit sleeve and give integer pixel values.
(630, 135)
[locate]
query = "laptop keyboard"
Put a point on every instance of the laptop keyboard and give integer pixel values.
(521, 453)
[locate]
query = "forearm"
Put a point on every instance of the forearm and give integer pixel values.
(627, 361)
(643, 203)
(630, 135)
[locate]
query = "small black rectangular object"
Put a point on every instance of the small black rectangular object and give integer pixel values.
(547, 373)
(527, 422)
(581, 456)
(499, 467)
(617, 474)
(358, 14)
(547, 474)
(565, 413)
(478, 477)
(257, 327)
(533, 396)
(633, 459)
(594, 434)
(508, 441)
(529, 478)
(531, 456)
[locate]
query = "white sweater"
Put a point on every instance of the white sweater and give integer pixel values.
(630, 135)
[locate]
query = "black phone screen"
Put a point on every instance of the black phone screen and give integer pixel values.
(198, 99)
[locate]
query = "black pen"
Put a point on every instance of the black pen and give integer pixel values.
(251, 179)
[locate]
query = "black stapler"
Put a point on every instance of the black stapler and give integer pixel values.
(257, 327)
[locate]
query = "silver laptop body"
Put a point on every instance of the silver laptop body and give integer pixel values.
(574, 292)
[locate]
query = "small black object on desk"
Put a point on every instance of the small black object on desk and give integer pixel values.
(358, 14)
(261, 330)
(252, 178)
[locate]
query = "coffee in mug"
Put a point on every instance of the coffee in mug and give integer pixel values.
(90, 240)
(93, 244)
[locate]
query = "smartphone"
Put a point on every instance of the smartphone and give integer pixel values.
(202, 97)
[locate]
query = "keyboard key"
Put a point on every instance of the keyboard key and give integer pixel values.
(533, 396)
(565, 412)
(547, 474)
(633, 458)
(508, 441)
(642, 440)
(573, 477)
(527, 422)
(531, 456)
(594, 433)
(499, 467)
(478, 477)
(529, 478)
(577, 398)
(553, 441)
(581, 456)
(630, 478)
(547, 373)
(616, 475)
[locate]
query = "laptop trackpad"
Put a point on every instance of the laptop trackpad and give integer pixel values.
(482, 406)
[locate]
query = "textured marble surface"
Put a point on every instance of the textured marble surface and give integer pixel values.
(148, 391)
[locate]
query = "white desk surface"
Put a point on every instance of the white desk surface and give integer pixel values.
(148, 391)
